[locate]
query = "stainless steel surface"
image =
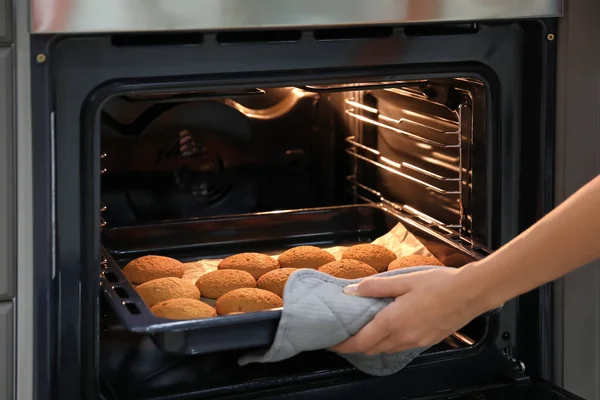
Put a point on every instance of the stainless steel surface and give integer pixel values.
(7, 357)
(7, 180)
(62, 16)
(576, 318)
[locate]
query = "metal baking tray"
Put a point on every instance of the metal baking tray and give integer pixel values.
(219, 237)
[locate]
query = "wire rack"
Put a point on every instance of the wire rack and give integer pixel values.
(450, 186)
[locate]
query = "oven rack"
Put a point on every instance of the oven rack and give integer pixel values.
(378, 198)
(395, 125)
(396, 168)
(445, 185)
(451, 232)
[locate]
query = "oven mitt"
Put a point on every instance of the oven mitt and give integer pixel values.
(317, 314)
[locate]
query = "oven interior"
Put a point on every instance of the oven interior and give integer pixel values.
(418, 146)
(414, 148)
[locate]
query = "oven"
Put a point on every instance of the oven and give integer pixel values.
(200, 135)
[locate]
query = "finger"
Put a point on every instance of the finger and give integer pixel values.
(393, 286)
(371, 334)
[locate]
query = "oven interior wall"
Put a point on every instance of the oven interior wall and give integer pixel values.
(205, 158)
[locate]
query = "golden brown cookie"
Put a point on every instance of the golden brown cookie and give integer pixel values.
(376, 256)
(146, 268)
(161, 289)
(305, 257)
(415, 260)
(348, 269)
(255, 263)
(275, 280)
(183, 309)
(216, 283)
(247, 300)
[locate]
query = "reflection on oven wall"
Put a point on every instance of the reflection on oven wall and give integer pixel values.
(209, 157)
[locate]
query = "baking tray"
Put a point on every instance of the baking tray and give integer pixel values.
(219, 237)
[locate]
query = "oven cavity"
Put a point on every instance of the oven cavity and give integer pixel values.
(405, 144)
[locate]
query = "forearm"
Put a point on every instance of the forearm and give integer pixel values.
(565, 239)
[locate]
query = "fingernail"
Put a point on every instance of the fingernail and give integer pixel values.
(351, 289)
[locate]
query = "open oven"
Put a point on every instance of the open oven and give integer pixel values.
(199, 145)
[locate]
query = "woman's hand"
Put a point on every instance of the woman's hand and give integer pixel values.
(430, 305)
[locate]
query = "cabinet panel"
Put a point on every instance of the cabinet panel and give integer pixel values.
(7, 361)
(7, 192)
(5, 21)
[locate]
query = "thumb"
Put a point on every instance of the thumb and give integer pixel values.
(392, 286)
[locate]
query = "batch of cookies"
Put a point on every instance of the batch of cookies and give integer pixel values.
(250, 282)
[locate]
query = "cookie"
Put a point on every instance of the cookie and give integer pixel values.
(304, 257)
(415, 260)
(247, 300)
(183, 309)
(274, 281)
(255, 263)
(348, 269)
(376, 256)
(216, 283)
(147, 268)
(161, 289)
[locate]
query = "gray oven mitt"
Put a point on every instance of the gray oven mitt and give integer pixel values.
(317, 314)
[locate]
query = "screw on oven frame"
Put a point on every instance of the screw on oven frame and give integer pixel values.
(40, 58)
(550, 37)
